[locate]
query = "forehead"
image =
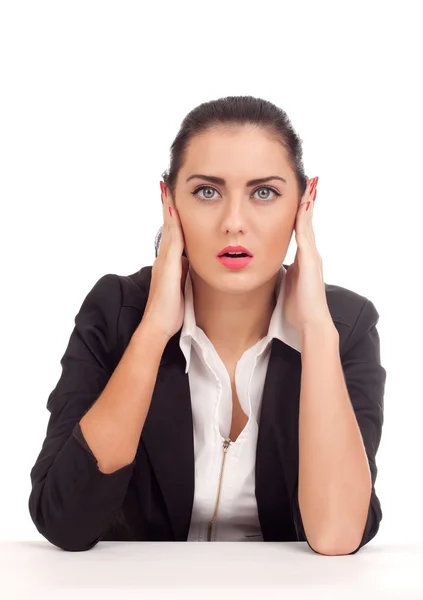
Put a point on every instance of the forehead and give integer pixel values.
(239, 150)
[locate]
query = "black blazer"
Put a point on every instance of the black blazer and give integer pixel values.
(74, 505)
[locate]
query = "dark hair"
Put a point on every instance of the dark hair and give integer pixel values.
(228, 111)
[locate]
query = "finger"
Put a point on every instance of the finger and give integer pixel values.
(166, 216)
(178, 227)
(309, 194)
(302, 222)
(308, 188)
(166, 236)
(174, 221)
(306, 196)
(311, 207)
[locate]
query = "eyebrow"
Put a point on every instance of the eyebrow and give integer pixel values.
(220, 181)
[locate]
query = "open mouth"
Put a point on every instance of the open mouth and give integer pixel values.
(233, 255)
(235, 261)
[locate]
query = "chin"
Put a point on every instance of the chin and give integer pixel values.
(248, 278)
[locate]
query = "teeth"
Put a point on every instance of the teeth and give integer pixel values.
(235, 253)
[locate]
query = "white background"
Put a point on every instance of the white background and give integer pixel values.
(92, 96)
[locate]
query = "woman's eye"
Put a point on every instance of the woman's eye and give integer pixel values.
(268, 189)
(204, 187)
(206, 197)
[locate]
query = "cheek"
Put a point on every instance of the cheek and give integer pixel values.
(195, 232)
(279, 227)
(278, 236)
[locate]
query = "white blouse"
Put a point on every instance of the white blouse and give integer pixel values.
(230, 515)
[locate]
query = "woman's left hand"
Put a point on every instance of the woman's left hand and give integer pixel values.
(305, 298)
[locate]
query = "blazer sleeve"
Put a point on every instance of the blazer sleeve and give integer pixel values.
(365, 379)
(72, 502)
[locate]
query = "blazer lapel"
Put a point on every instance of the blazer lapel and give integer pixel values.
(277, 444)
(168, 437)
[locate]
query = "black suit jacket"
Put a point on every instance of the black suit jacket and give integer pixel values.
(74, 505)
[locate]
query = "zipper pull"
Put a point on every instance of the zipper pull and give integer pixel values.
(226, 444)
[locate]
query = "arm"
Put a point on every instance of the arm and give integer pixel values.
(113, 425)
(77, 488)
(340, 422)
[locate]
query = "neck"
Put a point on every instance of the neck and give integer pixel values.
(233, 322)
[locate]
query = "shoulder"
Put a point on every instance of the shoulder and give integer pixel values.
(352, 313)
(345, 305)
(115, 291)
(135, 288)
(111, 311)
(349, 309)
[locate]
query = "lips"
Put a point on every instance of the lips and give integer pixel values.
(235, 249)
(235, 263)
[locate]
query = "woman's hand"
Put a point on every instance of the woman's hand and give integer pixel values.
(165, 309)
(305, 297)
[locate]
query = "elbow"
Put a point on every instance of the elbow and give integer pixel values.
(66, 540)
(342, 545)
(351, 543)
(71, 546)
(59, 533)
(346, 545)
(327, 549)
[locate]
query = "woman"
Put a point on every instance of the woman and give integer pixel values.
(211, 397)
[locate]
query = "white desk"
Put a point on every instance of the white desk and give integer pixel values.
(262, 570)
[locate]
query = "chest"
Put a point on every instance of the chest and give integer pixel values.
(239, 418)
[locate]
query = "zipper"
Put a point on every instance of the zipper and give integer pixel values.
(226, 444)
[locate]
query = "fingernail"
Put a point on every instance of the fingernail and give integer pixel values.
(308, 204)
(314, 183)
(315, 194)
(170, 210)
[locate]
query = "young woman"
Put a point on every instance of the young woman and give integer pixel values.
(219, 394)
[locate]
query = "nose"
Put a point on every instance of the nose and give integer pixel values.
(234, 215)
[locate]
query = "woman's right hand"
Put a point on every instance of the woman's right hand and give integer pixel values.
(165, 309)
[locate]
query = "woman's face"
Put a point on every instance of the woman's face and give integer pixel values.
(260, 217)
